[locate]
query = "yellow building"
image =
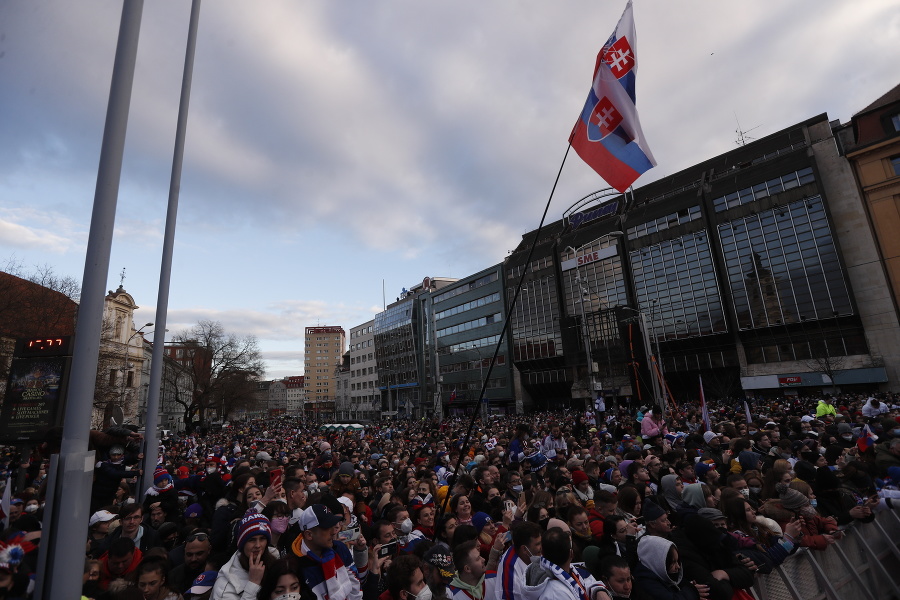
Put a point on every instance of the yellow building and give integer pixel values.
(872, 145)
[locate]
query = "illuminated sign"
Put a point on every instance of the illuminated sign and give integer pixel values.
(790, 381)
(45, 346)
(604, 210)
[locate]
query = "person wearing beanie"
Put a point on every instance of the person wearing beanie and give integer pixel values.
(581, 485)
(241, 576)
(794, 502)
(656, 520)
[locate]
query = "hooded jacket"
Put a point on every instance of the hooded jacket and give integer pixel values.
(233, 581)
(652, 576)
(547, 581)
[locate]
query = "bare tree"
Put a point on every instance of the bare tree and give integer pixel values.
(223, 370)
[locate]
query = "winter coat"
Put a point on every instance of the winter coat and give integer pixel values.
(652, 577)
(884, 458)
(703, 549)
(233, 581)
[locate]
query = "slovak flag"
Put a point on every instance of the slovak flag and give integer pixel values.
(866, 439)
(453, 396)
(607, 135)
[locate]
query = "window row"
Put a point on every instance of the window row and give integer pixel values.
(480, 322)
(466, 287)
(484, 300)
(481, 363)
(685, 215)
(761, 190)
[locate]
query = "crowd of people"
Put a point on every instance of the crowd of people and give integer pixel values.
(626, 503)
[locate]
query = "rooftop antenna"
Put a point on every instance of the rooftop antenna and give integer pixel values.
(743, 138)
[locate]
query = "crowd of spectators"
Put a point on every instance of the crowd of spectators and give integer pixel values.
(581, 505)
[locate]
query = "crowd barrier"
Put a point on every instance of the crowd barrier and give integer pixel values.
(863, 565)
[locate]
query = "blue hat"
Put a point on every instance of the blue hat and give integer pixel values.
(537, 461)
(203, 583)
(480, 519)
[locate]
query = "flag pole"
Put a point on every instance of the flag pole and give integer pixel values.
(509, 312)
(59, 575)
(151, 443)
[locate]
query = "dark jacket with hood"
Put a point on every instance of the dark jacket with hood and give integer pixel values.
(703, 548)
(652, 576)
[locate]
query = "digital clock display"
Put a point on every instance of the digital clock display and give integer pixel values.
(45, 346)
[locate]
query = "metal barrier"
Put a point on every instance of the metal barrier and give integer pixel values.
(863, 565)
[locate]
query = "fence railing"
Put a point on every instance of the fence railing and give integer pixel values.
(863, 565)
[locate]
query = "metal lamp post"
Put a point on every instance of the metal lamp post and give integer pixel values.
(481, 401)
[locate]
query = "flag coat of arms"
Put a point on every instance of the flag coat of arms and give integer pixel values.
(607, 135)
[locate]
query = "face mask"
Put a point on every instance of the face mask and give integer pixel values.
(31, 508)
(543, 522)
(517, 489)
(814, 502)
(745, 492)
(396, 462)
(425, 594)
(752, 432)
(501, 453)
(211, 470)
(756, 490)
(313, 486)
(406, 526)
(279, 524)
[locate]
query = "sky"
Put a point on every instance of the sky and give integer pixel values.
(334, 148)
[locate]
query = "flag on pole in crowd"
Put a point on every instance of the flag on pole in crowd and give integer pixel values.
(607, 135)
(4, 504)
(453, 396)
(747, 413)
(865, 441)
(704, 408)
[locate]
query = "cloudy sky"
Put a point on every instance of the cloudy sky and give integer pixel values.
(333, 145)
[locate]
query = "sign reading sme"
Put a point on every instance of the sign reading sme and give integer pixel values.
(577, 219)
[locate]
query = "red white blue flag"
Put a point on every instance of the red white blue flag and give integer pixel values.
(608, 134)
(453, 396)
(866, 439)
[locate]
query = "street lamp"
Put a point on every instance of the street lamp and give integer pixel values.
(127, 365)
(582, 291)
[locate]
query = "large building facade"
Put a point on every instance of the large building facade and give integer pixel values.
(755, 268)
(365, 401)
(323, 352)
(466, 325)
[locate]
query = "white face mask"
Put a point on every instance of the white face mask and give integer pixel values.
(745, 492)
(406, 527)
(211, 470)
(31, 508)
(425, 594)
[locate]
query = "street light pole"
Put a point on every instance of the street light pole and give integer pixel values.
(483, 402)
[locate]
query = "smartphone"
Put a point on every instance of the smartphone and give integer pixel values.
(275, 476)
(349, 535)
(509, 505)
(388, 549)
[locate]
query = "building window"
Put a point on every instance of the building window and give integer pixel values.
(895, 163)
(783, 266)
(895, 121)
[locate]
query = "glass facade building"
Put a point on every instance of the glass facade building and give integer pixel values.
(732, 269)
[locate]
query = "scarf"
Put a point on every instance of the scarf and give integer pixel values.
(156, 491)
(336, 576)
(578, 588)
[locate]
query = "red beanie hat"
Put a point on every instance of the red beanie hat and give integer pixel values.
(579, 477)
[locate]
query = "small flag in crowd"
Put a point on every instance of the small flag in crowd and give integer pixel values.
(453, 396)
(607, 135)
(866, 439)
(704, 408)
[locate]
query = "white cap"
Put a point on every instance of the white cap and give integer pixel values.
(101, 516)
(346, 502)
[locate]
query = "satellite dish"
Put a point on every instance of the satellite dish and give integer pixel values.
(118, 416)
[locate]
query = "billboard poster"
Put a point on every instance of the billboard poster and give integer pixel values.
(34, 398)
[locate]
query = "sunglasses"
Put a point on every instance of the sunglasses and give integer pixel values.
(197, 537)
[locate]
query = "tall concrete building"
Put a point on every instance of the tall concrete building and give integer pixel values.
(365, 401)
(323, 349)
(296, 394)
